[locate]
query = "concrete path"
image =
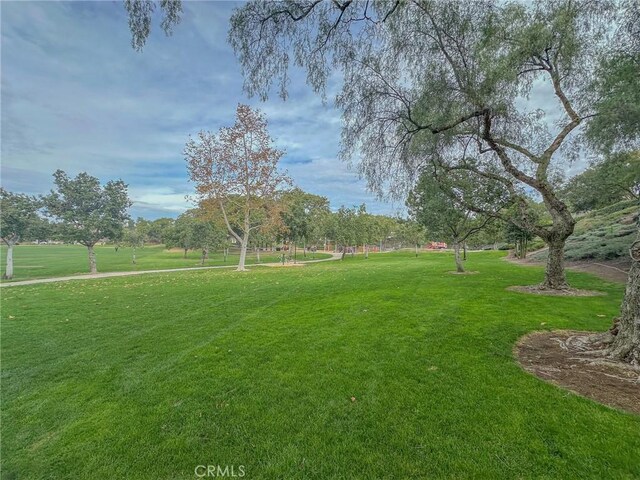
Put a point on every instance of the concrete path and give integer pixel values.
(334, 256)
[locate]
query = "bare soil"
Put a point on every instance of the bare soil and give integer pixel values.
(575, 361)
(610, 270)
(569, 292)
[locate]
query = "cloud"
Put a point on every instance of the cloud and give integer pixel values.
(76, 96)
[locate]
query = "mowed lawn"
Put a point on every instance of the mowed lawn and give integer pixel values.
(41, 261)
(148, 377)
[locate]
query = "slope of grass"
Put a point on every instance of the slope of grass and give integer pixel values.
(604, 234)
(148, 377)
(41, 261)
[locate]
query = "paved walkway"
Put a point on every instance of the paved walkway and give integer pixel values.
(88, 276)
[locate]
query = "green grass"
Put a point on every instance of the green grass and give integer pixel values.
(147, 377)
(42, 261)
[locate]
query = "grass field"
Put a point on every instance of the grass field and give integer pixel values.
(148, 377)
(41, 261)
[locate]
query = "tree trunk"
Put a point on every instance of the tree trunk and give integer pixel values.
(554, 276)
(626, 343)
(366, 251)
(258, 254)
(92, 260)
(243, 252)
(344, 250)
(304, 248)
(456, 251)
(464, 250)
(225, 253)
(416, 250)
(133, 260)
(205, 253)
(185, 252)
(8, 273)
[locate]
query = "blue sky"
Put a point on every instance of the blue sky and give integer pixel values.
(76, 96)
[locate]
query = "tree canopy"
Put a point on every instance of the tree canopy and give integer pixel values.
(615, 178)
(235, 172)
(444, 218)
(452, 84)
(19, 220)
(88, 212)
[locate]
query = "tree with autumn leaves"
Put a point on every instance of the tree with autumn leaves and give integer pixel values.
(235, 172)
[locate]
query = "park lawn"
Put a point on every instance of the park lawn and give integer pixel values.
(148, 377)
(42, 261)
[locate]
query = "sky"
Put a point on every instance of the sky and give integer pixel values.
(75, 96)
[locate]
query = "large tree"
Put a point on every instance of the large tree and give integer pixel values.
(444, 217)
(618, 126)
(19, 220)
(208, 235)
(445, 82)
(87, 211)
(300, 211)
(182, 234)
(413, 234)
(134, 234)
(235, 172)
(344, 228)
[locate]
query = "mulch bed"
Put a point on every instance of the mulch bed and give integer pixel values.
(571, 360)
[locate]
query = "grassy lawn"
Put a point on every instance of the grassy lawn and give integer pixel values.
(41, 261)
(148, 377)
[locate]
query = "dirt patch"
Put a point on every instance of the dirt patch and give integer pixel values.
(572, 360)
(462, 273)
(568, 292)
(610, 270)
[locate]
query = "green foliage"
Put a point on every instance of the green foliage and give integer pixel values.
(144, 377)
(157, 229)
(412, 233)
(182, 234)
(614, 179)
(616, 87)
(140, 14)
(444, 218)
(19, 219)
(604, 234)
(302, 212)
(87, 211)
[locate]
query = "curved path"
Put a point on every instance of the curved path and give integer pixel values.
(334, 256)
